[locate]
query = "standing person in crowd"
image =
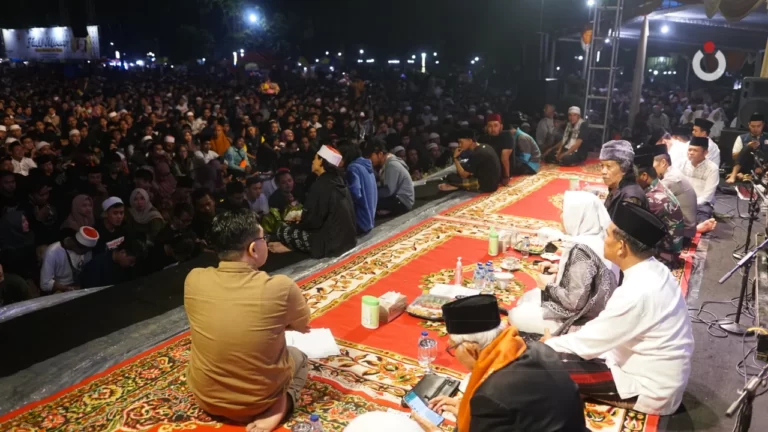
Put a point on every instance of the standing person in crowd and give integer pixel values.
(327, 226)
(704, 176)
(481, 173)
(113, 266)
(112, 230)
(663, 204)
(362, 186)
(502, 143)
(257, 201)
(63, 261)
(80, 215)
(240, 367)
(572, 150)
(637, 353)
(500, 360)
(396, 192)
(744, 155)
(527, 154)
(616, 158)
(143, 218)
(546, 125)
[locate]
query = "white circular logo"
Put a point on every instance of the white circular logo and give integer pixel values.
(709, 48)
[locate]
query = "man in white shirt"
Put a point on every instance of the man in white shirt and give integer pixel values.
(21, 164)
(546, 125)
(702, 128)
(256, 200)
(637, 353)
(64, 261)
(756, 140)
(704, 176)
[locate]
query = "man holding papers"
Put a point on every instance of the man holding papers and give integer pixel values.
(240, 366)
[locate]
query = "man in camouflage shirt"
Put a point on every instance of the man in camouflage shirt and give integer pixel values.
(662, 203)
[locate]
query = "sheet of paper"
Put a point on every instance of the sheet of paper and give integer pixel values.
(452, 291)
(317, 344)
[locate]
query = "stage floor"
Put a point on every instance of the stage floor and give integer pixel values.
(375, 368)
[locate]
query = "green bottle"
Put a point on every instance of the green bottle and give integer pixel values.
(493, 242)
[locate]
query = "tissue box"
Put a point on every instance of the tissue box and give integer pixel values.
(391, 305)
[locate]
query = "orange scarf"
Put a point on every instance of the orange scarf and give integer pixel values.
(505, 349)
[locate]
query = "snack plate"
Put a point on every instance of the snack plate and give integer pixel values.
(550, 257)
(428, 307)
(533, 249)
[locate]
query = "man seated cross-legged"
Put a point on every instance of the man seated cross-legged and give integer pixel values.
(240, 367)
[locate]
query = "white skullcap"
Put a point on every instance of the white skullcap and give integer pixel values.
(10, 140)
(146, 138)
(398, 149)
(122, 111)
(380, 421)
(41, 144)
(434, 135)
(109, 202)
(432, 146)
(574, 110)
(87, 236)
(170, 139)
(453, 145)
(190, 113)
(74, 132)
(2, 128)
(343, 110)
(112, 114)
(15, 127)
(330, 154)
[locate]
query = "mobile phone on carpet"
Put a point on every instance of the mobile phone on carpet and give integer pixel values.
(417, 404)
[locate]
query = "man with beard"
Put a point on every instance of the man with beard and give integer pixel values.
(205, 211)
(502, 142)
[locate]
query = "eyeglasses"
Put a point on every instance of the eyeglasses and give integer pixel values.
(451, 349)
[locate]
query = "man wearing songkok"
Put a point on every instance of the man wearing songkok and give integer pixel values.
(616, 158)
(637, 353)
(701, 128)
(514, 385)
(240, 367)
(704, 175)
(674, 180)
(502, 143)
(483, 170)
(663, 204)
(745, 147)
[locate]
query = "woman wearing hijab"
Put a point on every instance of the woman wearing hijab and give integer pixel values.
(718, 120)
(81, 215)
(183, 164)
(142, 216)
(585, 279)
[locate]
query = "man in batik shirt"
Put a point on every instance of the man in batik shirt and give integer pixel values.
(662, 203)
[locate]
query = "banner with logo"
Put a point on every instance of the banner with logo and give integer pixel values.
(51, 43)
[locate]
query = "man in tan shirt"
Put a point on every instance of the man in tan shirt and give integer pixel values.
(240, 367)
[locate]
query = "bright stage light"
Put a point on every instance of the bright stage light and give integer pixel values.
(362, 51)
(472, 62)
(434, 54)
(339, 54)
(477, 59)
(665, 29)
(252, 18)
(655, 72)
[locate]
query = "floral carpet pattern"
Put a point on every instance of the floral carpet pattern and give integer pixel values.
(374, 369)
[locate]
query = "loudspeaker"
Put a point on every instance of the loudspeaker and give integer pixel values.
(754, 98)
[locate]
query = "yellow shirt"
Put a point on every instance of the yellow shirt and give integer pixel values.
(239, 365)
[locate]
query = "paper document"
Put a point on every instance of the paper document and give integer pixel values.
(317, 344)
(452, 291)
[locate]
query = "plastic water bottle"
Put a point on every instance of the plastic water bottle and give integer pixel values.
(427, 351)
(479, 277)
(525, 246)
(493, 242)
(490, 279)
(458, 278)
(314, 421)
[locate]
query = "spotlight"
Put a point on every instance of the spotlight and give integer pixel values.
(665, 29)
(339, 54)
(472, 62)
(252, 17)
(477, 59)
(326, 53)
(590, 3)
(557, 68)
(655, 72)
(437, 61)
(362, 51)
(434, 54)
(581, 58)
(413, 56)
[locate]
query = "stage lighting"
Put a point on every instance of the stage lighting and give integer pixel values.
(557, 68)
(362, 51)
(472, 62)
(477, 59)
(590, 3)
(581, 58)
(434, 54)
(339, 54)
(252, 18)
(326, 53)
(665, 29)
(655, 72)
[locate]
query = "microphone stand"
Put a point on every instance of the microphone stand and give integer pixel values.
(742, 406)
(733, 326)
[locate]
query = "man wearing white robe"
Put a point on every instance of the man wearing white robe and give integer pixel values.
(637, 352)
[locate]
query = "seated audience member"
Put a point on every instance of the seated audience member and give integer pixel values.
(546, 125)
(113, 266)
(396, 193)
(21, 163)
(162, 253)
(14, 288)
(704, 176)
(572, 149)
(63, 261)
(327, 226)
(527, 154)
(183, 164)
(637, 353)
(502, 143)
(500, 360)
(362, 186)
(701, 128)
(9, 195)
(181, 247)
(745, 147)
(481, 173)
(286, 194)
(663, 204)
(441, 157)
(41, 213)
(418, 166)
(112, 230)
(616, 158)
(240, 367)
(80, 215)
(143, 218)
(584, 280)
(18, 245)
(235, 199)
(257, 201)
(145, 179)
(236, 158)
(205, 153)
(205, 211)
(676, 182)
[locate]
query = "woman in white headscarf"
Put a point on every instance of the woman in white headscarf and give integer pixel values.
(142, 216)
(585, 279)
(718, 119)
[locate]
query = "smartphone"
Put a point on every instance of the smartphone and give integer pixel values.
(417, 404)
